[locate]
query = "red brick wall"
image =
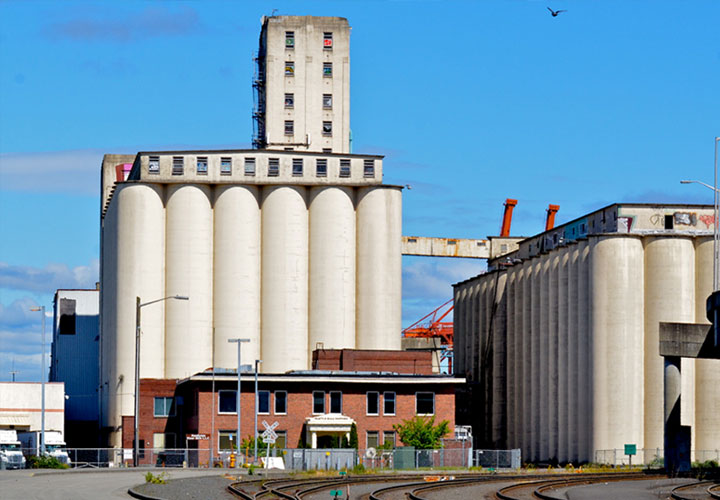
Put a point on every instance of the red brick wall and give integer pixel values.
(148, 424)
(300, 407)
(405, 362)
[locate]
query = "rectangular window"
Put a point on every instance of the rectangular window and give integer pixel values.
(280, 402)
(289, 39)
(389, 439)
(249, 166)
(321, 167)
(202, 163)
(67, 322)
(225, 166)
(372, 439)
(273, 167)
(373, 403)
(226, 440)
(327, 101)
(227, 401)
(425, 403)
(318, 402)
(369, 168)
(289, 127)
(327, 40)
(289, 68)
(344, 168)
(388, 403)
(178, 165)
(162, 440)
(327, 129)
(281, 440)
(297, 170)
(154, 165)
(289, 101)
(264, 402)
(163, 407)
(327, 150)
(335, 402)
(327, 69)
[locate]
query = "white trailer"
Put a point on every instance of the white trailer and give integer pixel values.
(54, 444)
(11, 456)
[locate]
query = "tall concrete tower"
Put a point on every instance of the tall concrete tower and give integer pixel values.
(302, 85)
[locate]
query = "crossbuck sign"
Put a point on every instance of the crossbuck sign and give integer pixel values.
(269, 435)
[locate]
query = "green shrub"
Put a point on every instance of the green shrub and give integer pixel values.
(46, 462)
(358, 469)
(153, 479)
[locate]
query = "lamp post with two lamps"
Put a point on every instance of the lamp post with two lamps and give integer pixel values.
(138, 306)
(257, 362)
(42, 382)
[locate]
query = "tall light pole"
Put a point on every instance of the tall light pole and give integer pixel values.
(257, 362)
(42, 382)
(138, 306)
(237, 404)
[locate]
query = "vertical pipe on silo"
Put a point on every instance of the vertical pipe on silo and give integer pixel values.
(500, 356)
(669, 297)
(562, 353)
(379, 267)
(616, 279)
(136, 266)
(284, 261)
(537, 368)
(510, 381)
(544, 369)
(528, 366)
(520, 340)
(236, 279)
(707, 371)
(572, 353)
(584, 360)
(479, 350)
(189, 271)
(332, 268)
(553, 362)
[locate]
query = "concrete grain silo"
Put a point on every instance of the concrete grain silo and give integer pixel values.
(574, 363)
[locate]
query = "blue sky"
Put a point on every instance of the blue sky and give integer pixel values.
(471, 102)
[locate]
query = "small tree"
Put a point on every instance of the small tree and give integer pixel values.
(422, 433)
(353, 442)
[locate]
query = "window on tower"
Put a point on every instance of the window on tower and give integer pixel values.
(273, 167)
(289, 39)
(327, 128)
(297, 169)
(202, 165)
(289, 68)
(327, 69)
(327, 40)
(289, 101)
(154, 165)
(225, 166)
(369, 168)
(289, 127)
(327, 101)
(250, 166)
(321, 167)
(178, 165)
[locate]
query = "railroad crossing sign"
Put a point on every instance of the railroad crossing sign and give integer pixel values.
(269, 435)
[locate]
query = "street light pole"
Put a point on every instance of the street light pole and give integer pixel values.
(42, 382)
(136, 433)
(257, 362)
(237, 403)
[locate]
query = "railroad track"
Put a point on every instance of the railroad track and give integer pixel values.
(697, 491)
(416, 487)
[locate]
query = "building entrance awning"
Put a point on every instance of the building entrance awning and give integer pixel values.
(14, 420)
(328, 424)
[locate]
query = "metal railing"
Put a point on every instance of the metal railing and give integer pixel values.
(651, 457)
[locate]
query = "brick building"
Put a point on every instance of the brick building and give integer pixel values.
(313, 408)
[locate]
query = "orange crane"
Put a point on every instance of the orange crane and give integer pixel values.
(432, 326)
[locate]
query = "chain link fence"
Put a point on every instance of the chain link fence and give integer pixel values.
(650, 457)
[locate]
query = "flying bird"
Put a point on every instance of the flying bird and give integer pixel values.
(555, 12)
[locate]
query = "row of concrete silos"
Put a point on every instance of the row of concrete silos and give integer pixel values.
(575, 367)
(288, 267)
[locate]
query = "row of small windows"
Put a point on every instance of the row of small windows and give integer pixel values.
(327, 101)
(327, 70)
(227, 403)
(226, 166)
(326, 128)
(327, 40)
(226, 439)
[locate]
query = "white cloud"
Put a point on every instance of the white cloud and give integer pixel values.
(50, 278)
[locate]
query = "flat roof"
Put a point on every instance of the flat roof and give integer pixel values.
(328, 376)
